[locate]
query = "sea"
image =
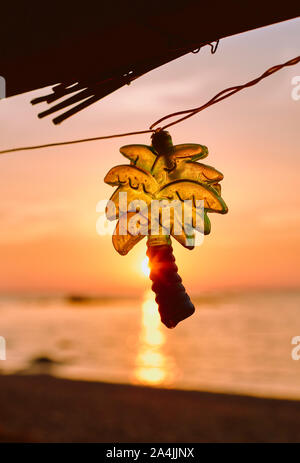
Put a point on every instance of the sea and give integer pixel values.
(242, 342)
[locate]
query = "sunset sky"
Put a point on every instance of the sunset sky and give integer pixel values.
(48, 239)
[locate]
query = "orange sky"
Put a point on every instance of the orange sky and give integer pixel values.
(48, 239)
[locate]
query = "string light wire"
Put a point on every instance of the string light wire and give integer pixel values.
(188, 112)
(224, 94)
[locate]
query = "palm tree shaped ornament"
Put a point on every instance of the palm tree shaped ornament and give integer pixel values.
(159, 176)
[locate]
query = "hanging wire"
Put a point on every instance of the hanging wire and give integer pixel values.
(72, 142)
(214, 47)
(222, 95)
(189, 112)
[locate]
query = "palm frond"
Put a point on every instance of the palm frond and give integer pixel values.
(131, 195)
(191, 151)
(139, 155)
(123, 243)
(192, 190)
(132, 177)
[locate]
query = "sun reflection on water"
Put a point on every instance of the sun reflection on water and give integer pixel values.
(153, 367)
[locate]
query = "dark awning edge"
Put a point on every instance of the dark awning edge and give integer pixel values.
(88, 53)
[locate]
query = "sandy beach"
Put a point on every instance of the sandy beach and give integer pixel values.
(48, 409)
